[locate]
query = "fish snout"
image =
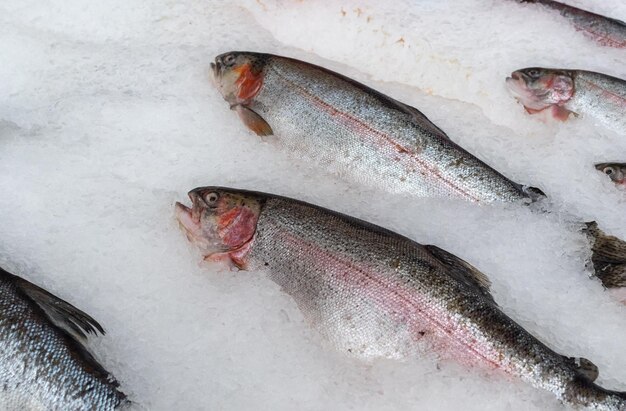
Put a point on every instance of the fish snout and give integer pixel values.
(186, 219)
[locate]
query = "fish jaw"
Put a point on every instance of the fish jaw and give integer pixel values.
(189, 223)
(518, 87)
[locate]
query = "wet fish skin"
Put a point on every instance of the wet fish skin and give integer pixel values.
(345, 126)
(43, 364)
(615, 171)
(572, 91)
(604, 30)
(373, 293)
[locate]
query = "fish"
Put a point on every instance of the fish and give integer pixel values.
(615, 171)
(609, 257)
(355, 131)
(562, 92)
(603, 30)
(364, 136)
(372, 293)
(43, 362)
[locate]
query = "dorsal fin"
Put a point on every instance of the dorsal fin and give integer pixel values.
(63, 314)
(464, 270)
(584, 366)
(423, 121)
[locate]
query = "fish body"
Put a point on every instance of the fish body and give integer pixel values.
(43, 365)
(345, 126)
(374, 293)
(615, 171)
(581, 92)
(604, 30)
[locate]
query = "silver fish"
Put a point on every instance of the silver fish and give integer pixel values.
(603, 30)
(615, 171)
(43, 364)
(571, 91)
(358, 132)
(373, 293)
(324, 117)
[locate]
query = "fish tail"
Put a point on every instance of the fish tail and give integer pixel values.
(608, 256)
(583, 392)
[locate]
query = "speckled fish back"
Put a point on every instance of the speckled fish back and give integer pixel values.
(373, 293)
(370, 138)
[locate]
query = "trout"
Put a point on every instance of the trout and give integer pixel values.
(374, 293)
(563, 92)
(354, 130)
(366, 137)
(43, 363)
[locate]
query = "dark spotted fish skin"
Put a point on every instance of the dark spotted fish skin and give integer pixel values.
(42, 365)
(374, 293)
(346, 127)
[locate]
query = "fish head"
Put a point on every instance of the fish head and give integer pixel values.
(238, 75)
(220, 221)
(615, 171)
(539, 88)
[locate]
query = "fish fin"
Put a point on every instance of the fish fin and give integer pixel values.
(608, 256)
(533, 193)
(253, 121)
(72, 323)
(464, 270)
(560, 113)
(554, 111)
(585, 367)
(63, 314)
(423, 121)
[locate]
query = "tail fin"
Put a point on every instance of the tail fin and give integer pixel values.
(608, 256)
(582, 392)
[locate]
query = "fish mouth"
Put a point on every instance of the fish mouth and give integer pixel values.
(517, 85)
(188, 219)
(216, 68)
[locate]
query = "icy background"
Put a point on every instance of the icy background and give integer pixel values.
(107, 118)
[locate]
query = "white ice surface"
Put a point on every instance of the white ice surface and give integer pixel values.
(107, 118)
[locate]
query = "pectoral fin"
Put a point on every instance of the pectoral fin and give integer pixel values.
(253, 121)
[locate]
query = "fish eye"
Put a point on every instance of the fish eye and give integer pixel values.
(608, 171)
(534, 73)
(229, 59)
(211, 199)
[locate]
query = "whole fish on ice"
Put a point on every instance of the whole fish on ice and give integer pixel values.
(373, 293)
(43, 364)
(354, 130)
(572, 91)
(361, 134)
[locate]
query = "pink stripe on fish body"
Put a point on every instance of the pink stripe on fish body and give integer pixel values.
(427, 319)
(409, 156)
